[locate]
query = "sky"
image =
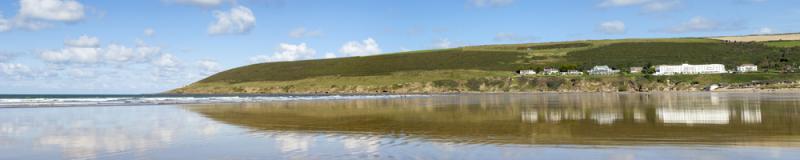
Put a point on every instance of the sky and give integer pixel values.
(151, 46)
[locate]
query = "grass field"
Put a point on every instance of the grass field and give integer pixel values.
(783, 44)
(623, 55)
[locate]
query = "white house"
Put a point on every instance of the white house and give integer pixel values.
(550, 71)
(690, 69)
(747, 68)
(636, 69)
(572, 72)
(526, 72)
(602, 70)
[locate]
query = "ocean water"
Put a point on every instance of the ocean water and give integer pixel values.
(625, 126)
(8, 101)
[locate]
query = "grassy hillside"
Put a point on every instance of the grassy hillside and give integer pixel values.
(449, 59)
(487, 58)
(625, 55)
(497, 61)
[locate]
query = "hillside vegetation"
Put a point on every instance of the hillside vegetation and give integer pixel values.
(460, 68)
(785, 44)
(448, 59)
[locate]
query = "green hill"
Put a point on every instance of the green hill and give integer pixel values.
(430, 70)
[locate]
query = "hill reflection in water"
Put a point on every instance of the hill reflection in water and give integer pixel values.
(571, 119)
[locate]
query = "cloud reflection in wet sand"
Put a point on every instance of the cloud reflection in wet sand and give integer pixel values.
(89, 133)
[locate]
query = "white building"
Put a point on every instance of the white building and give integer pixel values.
(690, 69)
(550, 71)
(747, 68)
(526, 72)
(636, 69)
(572, 72)
(602, 70)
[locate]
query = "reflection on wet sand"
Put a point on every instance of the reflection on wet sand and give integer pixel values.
(607, 119)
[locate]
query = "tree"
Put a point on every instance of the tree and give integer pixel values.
(649, 68)
(538, 69)
(567, 67)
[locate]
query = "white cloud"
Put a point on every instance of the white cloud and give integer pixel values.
(51, 10)
(111, 68)
(72, 55)
(124, 54)
(260, 59)
(765, 30)
(87, 50)
(83, 41)
(208, 67)
(14, 70)
(489, 3)
(443, 43)
(201, 3)
(303, 33)
(287, 52)
(149, 32)
(81, 73)
(621, 3)
(31, 25)
(700, 24)
(697, 24)
(612, 27)
(5, 57)
(38, 14)
(661, 6)
(166, 60)
(649, 6)
(330, 55)
(511, 37)
(5, 24)
(364, 48)
(238, 20)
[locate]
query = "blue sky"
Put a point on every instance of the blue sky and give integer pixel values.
(149, 46)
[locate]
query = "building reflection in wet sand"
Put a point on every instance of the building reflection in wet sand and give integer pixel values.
(613, 119)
